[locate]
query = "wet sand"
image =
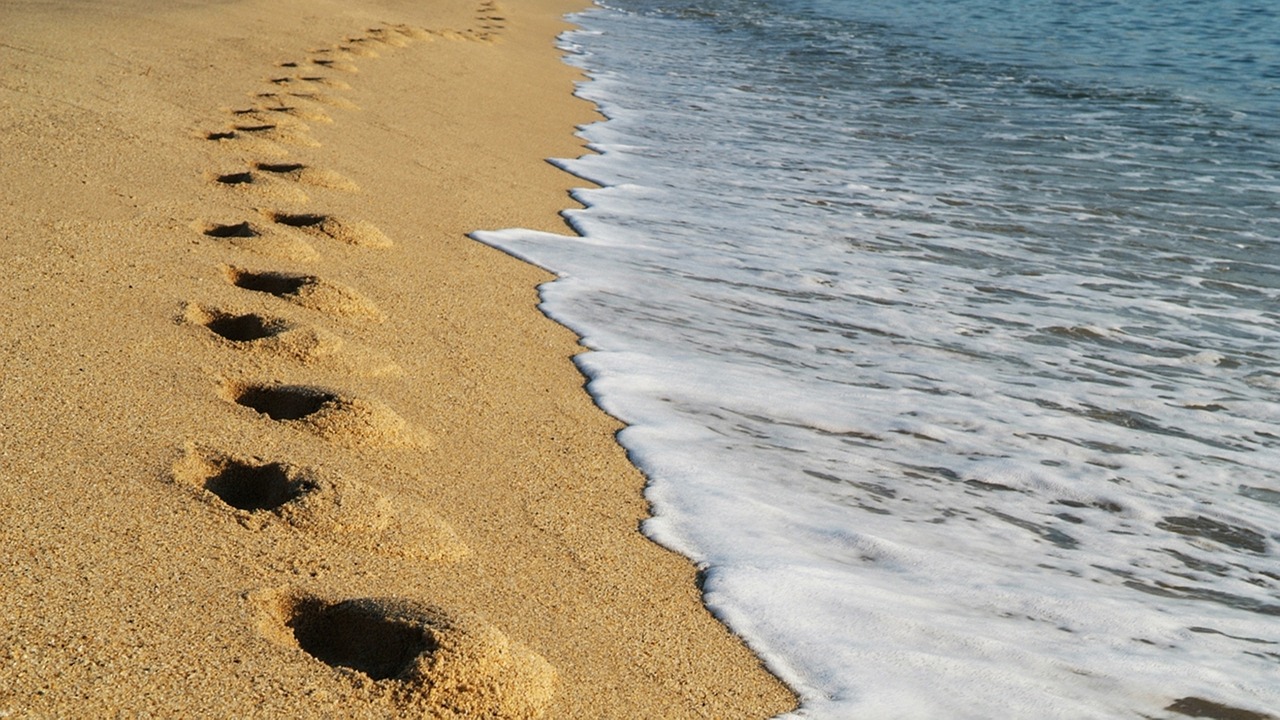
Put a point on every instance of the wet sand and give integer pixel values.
(276, 438)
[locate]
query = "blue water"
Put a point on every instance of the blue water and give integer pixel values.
(947, 334)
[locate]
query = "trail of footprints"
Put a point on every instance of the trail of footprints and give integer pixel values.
(420, 656)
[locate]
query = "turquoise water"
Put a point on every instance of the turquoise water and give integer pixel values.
(947, 335)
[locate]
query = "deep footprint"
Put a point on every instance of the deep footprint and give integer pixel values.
(322, 99)
(306, 175)
(240, 178)
(270, 184)
(295, 134)
(283, 402)
(236, 230)
(286, 340)
(350, 232)
(431, 662)
(308, 291)
(298, 220)
(256, 487)
(303, 113)
(310, 79)
(329, 64)
(280, 119)
(244, 328)
(280, 168)
(247, 236)
(272, 283)
(260, 142)
(260, 494)
(359, 635)
(343, 419)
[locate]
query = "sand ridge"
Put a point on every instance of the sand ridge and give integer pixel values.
(279, 439)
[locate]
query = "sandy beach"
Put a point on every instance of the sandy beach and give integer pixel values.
(277, 439)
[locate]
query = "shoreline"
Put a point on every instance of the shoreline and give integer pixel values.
(265, 401)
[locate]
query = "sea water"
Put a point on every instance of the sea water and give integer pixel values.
(947, 333)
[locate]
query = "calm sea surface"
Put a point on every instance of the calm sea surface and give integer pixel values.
(947, 331)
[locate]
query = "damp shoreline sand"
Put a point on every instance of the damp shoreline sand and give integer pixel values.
(263, 400)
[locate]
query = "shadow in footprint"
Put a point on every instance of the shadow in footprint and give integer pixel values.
(330, 64)
(362, 636)
(272, 283)
(298, 220)
(310, 79)
(283, 402)
(239, 178)
(245, 328)
(280, 168)
(255, 487)
(237, 230)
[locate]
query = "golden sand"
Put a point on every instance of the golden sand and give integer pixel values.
(276, 438)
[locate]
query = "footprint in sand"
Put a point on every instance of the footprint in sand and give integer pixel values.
(258, 115)
(307, 175)
(330, 53)
(267, 186)
(246, 143)
(336, 65)
(408, 31)
(273, 106)
(311, 97)
(283, 116)
(260, 494)
(280, 180)
(431, 661)
(358, 47)
(266, 241)
(246, 135)
(271, 336)
(351, 232)
(236, 327)
(327, 63)
(289, 133)
(307, 291)
(379, 36)
(294, 81)
(344, 419)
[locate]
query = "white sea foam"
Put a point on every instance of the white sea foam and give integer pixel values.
(953, 434)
